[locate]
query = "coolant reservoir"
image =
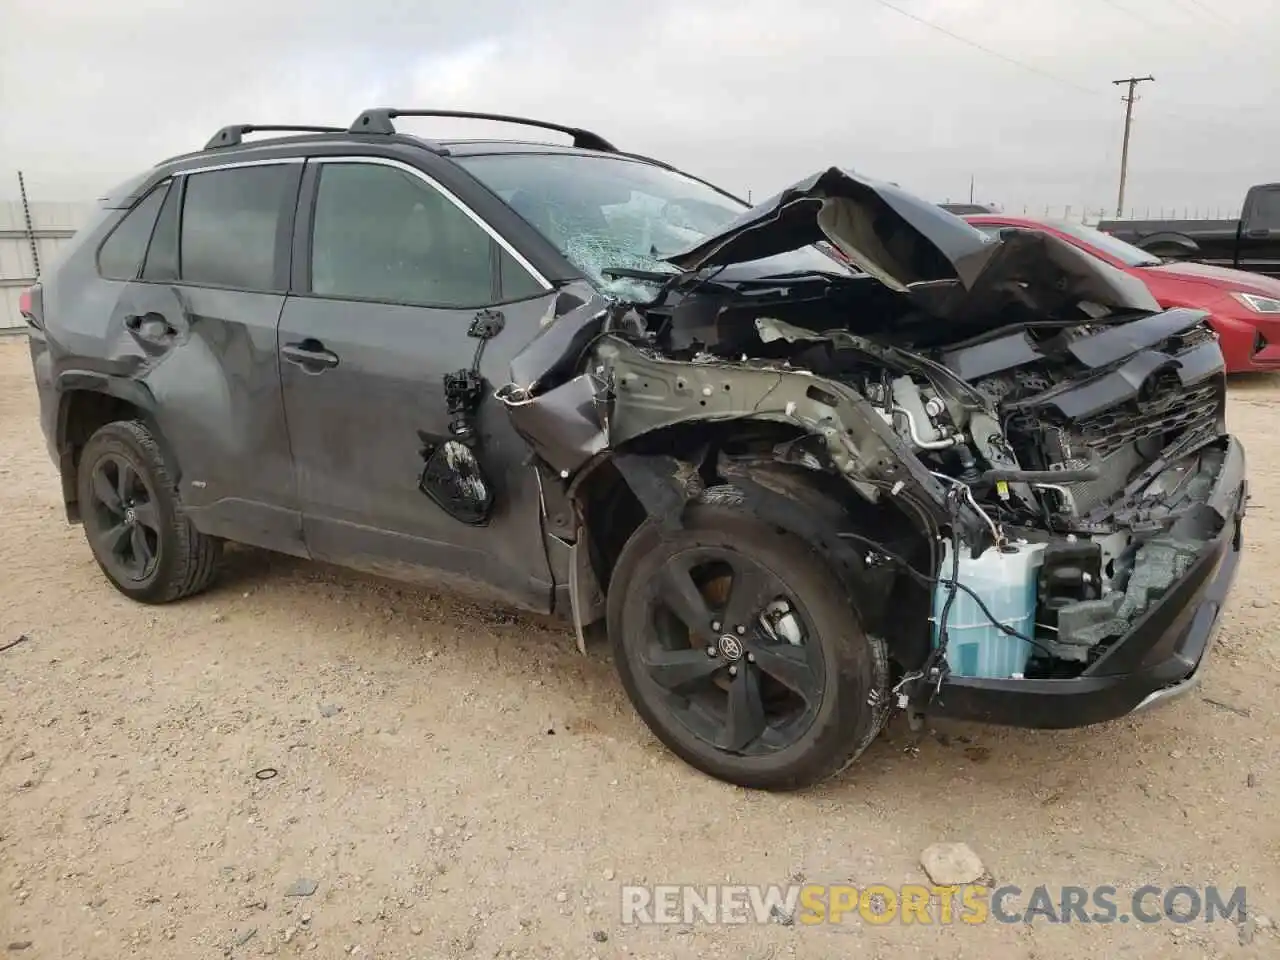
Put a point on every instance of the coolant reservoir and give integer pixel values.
(1005, 579)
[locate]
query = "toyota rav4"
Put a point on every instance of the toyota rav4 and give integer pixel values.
(804, 463)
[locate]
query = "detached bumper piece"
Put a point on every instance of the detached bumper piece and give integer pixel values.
(1161, 657)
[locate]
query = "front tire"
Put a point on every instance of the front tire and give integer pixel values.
(129, 507)
(743, 652)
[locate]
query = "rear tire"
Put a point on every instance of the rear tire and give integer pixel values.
(671, 675)
(133, 521)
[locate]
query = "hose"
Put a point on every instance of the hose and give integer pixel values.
(968, 495)
(1042, 476)
(944, 444)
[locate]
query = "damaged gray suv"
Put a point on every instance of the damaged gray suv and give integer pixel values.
(805, 463)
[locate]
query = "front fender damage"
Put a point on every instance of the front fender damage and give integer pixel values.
(627, 394)
(651, 393)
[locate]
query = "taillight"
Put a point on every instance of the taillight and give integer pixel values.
(31, 306)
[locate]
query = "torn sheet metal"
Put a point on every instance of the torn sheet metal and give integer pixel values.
(651, 392)
(566, 425)
(1044, 276)
(944, 380)
(949, 268)
(898, 238)
(573, 319)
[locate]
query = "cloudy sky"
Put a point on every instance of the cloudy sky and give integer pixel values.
(752, 94)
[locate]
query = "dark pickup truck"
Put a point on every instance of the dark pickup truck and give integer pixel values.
(1251, 243)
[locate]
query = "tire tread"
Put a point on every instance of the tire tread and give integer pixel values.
(193, 566)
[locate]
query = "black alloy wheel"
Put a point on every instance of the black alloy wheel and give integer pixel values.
(742, 650)
(122, 520)
(728, 649)
(143, 541)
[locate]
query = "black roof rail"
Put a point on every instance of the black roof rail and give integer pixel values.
(378, 120)
(234, 134)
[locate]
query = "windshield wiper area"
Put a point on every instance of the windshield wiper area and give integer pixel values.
(631, 273)
(675, 280)
(777, 279)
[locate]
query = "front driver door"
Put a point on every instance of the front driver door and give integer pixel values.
(394, 272)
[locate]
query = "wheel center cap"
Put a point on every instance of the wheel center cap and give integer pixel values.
(730, 647)
(130, 517)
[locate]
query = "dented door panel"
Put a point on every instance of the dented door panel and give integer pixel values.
(356, 431)
(208, 358)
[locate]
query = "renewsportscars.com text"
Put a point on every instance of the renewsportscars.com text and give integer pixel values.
(919, 904)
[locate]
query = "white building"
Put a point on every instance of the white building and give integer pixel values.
(52, 225)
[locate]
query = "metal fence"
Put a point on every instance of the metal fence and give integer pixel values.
(31, 237)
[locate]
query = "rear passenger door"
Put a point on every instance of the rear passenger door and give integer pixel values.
(203, 316)
(391, 273)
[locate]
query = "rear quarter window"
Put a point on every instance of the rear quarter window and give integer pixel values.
(120, 256)
(162, 254)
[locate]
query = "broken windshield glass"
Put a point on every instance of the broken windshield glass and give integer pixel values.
(606, 212)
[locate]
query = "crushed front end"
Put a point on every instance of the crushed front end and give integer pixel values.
(1139, 556)
(1020, 443)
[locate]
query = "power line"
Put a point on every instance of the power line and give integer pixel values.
(1138, 16)
(995, 53)
(1193, 7)
(1209, 10)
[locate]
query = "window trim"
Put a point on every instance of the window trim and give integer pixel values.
(445, 192)
(163, 185)
(178, 193)
(232, 164)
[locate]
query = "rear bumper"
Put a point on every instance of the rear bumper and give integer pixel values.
(1162, 657)
(42, 369)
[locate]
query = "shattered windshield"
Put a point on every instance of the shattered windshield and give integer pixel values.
(612, 212)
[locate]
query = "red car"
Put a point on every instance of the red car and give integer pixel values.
(1243, 307)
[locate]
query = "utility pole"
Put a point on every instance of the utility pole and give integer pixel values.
(971, 188)
(1128, 122)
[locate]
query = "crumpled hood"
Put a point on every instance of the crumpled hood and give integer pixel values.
(913, 246)
(897, 238)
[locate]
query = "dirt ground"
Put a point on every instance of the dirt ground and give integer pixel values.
(459, 782)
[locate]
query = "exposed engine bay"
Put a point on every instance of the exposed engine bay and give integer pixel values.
(1051, 434)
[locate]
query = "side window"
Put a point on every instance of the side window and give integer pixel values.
(120, 256)
(1264, 210)
(514, 281)
(230, 224)
(380, 233)
(162, 254)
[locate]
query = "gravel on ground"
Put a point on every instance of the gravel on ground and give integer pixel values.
(305, 761)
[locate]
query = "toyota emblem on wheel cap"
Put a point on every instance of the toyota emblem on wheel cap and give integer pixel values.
(730, 647)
